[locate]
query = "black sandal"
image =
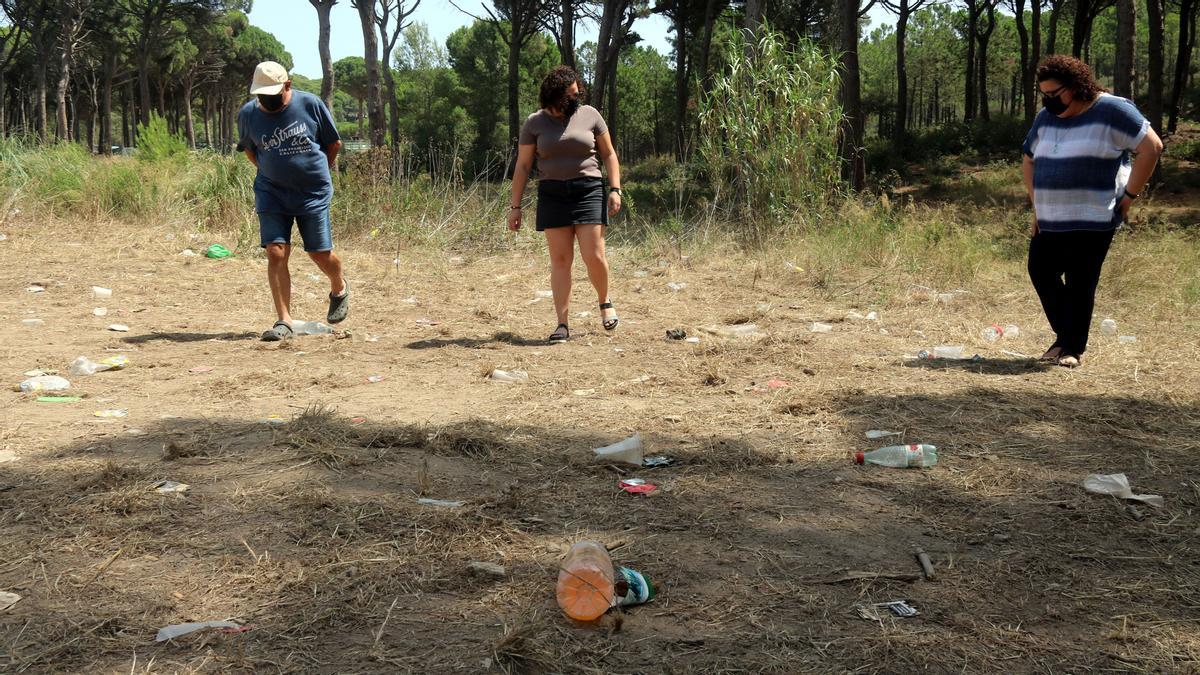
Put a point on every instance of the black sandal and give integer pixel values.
(559, 336)
(609, 324)
(282, 330)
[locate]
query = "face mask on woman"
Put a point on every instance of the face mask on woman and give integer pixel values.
(570, 105)
(270, 102)
(1055, 104)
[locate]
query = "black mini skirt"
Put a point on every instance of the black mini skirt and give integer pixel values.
(564, 203)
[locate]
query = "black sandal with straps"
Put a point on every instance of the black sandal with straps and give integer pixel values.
(558, 335)
(610, 324)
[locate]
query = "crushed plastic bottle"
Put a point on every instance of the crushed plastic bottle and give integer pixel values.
(311, 328)
(992, 333)
(1108, 327)
(82, 366)
(588, 585)
(508, 376)
(45, 383)
(899, 456)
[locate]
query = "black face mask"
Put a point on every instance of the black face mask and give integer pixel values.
(1055, 104)
(271, 102)
(570, 105)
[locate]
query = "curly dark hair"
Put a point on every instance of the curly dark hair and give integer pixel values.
(555, 86)
(1072, 74)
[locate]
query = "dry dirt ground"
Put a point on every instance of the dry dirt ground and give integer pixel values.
(762, 539)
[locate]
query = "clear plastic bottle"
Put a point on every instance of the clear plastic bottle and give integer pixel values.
(1108, 327)
(586, 585)
(311, 328)
(899, 456)
(1012, 330)
(992, 333)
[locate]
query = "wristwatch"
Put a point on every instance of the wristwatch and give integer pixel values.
(615, 189)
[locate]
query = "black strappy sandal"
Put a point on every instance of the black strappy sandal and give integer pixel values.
(609, 324)
(559, 336)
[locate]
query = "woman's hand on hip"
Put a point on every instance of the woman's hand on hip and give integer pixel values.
(614, 203)
(1126, 202)
(514, 219)
(1033, 226)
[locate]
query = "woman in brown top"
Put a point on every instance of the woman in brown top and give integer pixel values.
(570, 141)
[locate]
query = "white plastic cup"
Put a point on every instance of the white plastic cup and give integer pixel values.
(628, 451)
(100, 292)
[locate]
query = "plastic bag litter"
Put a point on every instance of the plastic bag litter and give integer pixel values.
(1117, 485)
(181, 629)
(8, 600)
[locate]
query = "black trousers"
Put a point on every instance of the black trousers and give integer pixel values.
(1065, 269)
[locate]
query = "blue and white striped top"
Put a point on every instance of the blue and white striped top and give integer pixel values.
(1081, 164)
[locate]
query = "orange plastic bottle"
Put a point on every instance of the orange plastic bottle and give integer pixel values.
(586, 581)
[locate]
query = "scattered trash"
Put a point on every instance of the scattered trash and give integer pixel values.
(112, 412)
(640, 379)
(371, 338)
(588, 586)
(676, 334)
(926, 564)
(101, 292)
(44, 383)
(544, 294)
(1135, 513)
(7, 456)
(899, 456)
(945, 298)
(100, 311)
(583, 392)
(995, 332)
(657, 461)
(792, 266)
(59, 399)
(641, 274)
(1108, 327)
(358, 420)
(1127, 339)
(948, 352)
(313, 277)
(692, 340)
(170, 487)
(181, 629)
(855, 316)
(875, 612)
(311, 328)
(82, 366)
(508, 376)
(628, 451)
(217, 251)
(674, 286)
(819, 327)
(439, 502)
(456, 260)
(583, 315)
(636, 486)
(1117, 485)
(427, 322)
(188, 253)
(118, 328)
(35, 288)
(486, 569)
(737, 331)
(375, 378)
(8, 600)
(273, 418)
(872, 316)
(3, 237)
(32, 322)
(874, 434)
(776, 384)
(201, 369)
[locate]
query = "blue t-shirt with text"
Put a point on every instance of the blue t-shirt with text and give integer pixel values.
(293, 171)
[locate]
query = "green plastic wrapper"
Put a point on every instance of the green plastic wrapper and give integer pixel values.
(217, 251)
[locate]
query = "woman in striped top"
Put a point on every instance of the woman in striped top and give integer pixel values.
(1081, 182)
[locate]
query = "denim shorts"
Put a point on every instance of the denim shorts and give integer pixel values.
(276, 228)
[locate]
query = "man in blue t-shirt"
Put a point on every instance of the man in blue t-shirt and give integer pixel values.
(290, 137)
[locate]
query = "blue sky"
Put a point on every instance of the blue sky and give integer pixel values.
(294, 23)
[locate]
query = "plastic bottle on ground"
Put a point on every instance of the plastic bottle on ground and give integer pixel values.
(992, 333)
(899, 456)
(1012, 330)
(1108, 327)
(947, 352)
(311, 328)
(586, 586)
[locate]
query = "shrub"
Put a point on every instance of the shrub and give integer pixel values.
(156, 142)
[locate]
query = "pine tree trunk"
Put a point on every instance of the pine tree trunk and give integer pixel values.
(1154, 99)
(327, 78)
(1183, 59)
(850, 140)
(901, 132)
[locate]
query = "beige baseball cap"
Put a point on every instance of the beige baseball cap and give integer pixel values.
(269, 78)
